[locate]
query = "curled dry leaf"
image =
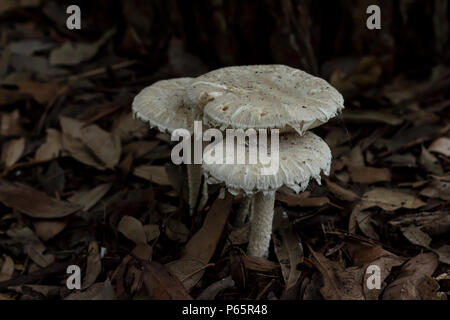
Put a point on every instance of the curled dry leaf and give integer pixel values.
(12, 151)
(132, 228)
(34, 203)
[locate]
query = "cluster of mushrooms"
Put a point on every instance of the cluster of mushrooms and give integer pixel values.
(250, 97)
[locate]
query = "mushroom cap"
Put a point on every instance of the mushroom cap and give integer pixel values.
(164, 105)
(300, 159)
(264, 96)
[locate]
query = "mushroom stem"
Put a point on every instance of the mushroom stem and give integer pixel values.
(261, 226)
(194, 177)
(243, 211)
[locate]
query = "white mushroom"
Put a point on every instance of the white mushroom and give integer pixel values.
(264, 97)
(300, 159)
(164, 105)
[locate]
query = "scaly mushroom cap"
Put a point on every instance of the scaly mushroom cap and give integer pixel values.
(300, 159)
(264, 96)
(164, 105)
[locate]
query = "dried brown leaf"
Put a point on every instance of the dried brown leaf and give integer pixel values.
(126, 127)
(162, 285)
(7, 268)
(369, 174)
(51, 148)
(140, 148)
(203, 243)
(177, 231)
(156, 174)
(47, 229)
(339, 283)
(389, 200)
(10, 123)
(340, 192)
(441, 145)
(293, 200)
(98, 291)
(34, 203)
(90, 144)
(371, 116)
(132, 229)
(188, 271)
(42, 92)
(151, 231)
(437, 189)
(289, 250)
(430, 162)
(12, 151)
(73, 53)
(78, 151)
(94, 265)
(259, 264)
(407, 284)
(89, 198)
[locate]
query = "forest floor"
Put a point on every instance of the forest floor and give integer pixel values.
(83, 183)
